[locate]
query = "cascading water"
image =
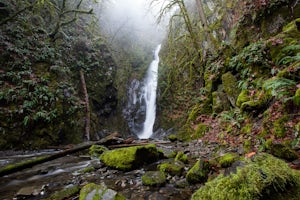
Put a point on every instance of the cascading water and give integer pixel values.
(149, 96)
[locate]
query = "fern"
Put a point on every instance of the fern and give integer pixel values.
(289, 59)
(279, 87)
(292, 48)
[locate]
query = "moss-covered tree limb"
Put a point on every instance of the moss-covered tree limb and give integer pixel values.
(63, 13)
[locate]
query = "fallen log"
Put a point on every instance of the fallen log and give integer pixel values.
(11, 168)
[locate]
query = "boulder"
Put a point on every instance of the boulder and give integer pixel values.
(262, 177)
(227, 159)
(284, 152)
(130, 158)
(96, 150)
(172, 137)
(64, 193)
(181, 157)
(220, 101)
(253, 103)
(199, 172)
(230, 85)
(92, 191)
(173, 168)
(154, 178)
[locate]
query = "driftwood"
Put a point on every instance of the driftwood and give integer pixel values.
(11, 168)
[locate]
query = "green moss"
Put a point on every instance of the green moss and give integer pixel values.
(291, 29)
(64, 193)
(257, 102)
(200, 131)
(203, 107)
(284, 152)
(87, 170)
(230, 87)
(185, 133)
(297, 97)
(172, 168)
(242, 98)
(96, 150)
(21, 165)
(268, 144)
(172, 137)
(246, 130)
(247, 145)
(263, 177)
(95, 192)
(289, 37)
(220, 101)
(199, 172)
(279, 129)
(130, 158)
(227, 160)
(181, 157)
(154, 178)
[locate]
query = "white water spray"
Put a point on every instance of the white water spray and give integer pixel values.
(149, 95)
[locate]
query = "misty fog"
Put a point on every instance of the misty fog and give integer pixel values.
(131, 20)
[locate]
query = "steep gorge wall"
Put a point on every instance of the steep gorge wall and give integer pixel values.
(251, 81)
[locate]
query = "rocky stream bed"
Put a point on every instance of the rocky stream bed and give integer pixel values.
(70, 173)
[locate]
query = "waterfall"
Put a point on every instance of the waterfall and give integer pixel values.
(149, 96)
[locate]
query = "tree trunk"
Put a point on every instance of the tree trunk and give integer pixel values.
(208, 36)
(87, 107)
(195, 42)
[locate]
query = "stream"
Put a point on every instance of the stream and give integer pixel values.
(41, 181)
(38, 179)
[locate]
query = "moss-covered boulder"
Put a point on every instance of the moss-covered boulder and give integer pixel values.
(242, 98)
(181, 157)
(64, 193)
(230, 85)
(254, 103)
(199, 172)
(131, 157)
(173, 168)
(96, 150)
(227, 159)
(283, 44)
(172, 137)
(154, 178)
(220, 101)
(263, 177)
(284, 152)
(93, 191)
